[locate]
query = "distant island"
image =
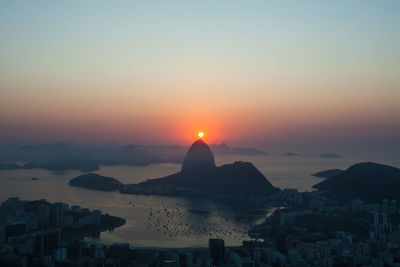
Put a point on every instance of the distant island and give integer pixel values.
(200, 175)
(367, 181)
(96, 182)
(290, 154)
(329, 156)
(55, 164)
(328, 173)
(225, 149)
(62, 164)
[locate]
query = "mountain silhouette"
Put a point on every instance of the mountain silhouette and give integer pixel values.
(367, 181)
(200, 175)
(198, 158)
(221, 148)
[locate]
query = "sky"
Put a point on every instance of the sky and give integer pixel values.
(159, 71)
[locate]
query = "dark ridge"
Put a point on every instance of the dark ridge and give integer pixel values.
(367, 181)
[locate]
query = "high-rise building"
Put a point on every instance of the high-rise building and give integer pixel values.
(217, 250)
(374, 217)
(57, 214)
(44, 216)
(12, 206)
(281, 243)
(47, 241)
(15, 229)
(393, 207)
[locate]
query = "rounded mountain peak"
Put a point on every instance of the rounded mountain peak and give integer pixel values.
(198, 158)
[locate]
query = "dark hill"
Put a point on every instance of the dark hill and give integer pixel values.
(367, 181)
(96, 182)
(198, 158)
(238, 178)
(328, 173)
(200, 175)
(242, 178)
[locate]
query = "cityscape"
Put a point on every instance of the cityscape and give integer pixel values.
(179, 133)
(37, 232)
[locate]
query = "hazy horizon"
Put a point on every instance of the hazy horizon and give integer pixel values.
(382, 151)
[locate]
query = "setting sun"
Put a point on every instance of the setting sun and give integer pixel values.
(201, 134)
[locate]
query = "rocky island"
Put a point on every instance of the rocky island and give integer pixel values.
(96, 182)
(199, 175)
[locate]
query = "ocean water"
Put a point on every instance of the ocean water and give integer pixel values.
(158, 221)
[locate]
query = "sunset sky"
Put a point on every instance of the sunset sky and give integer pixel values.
(159, 71)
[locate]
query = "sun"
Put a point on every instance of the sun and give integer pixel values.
(200, 134)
